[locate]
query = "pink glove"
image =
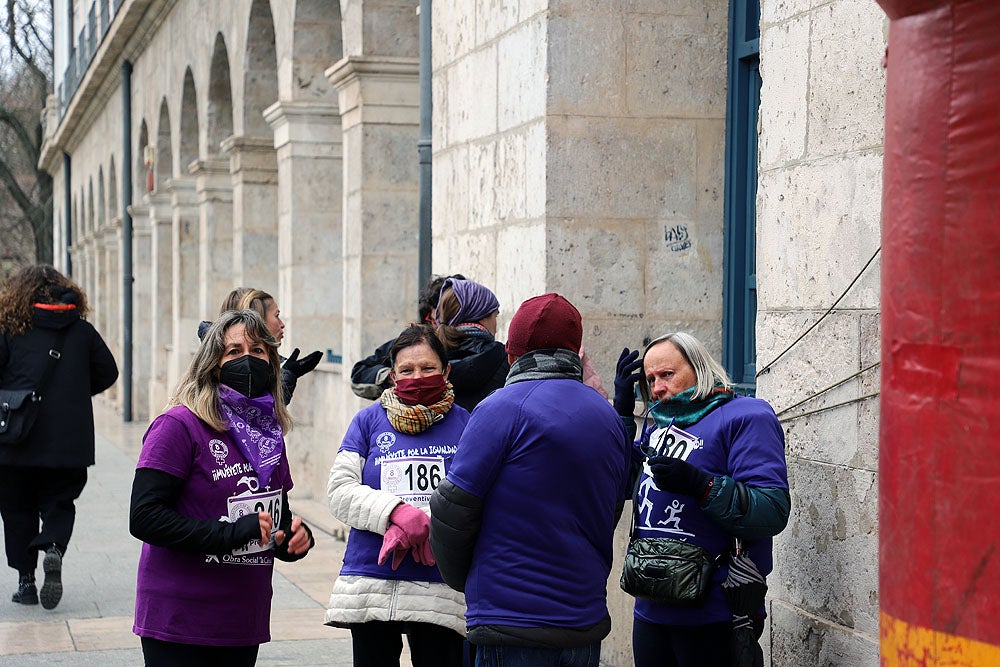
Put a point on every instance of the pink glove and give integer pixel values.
(414, 522)
(422, 553)
(396, 543)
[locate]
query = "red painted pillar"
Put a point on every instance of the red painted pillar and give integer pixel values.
(939, 457)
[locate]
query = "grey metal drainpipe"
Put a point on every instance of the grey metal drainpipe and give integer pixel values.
(127, 278)
(424, 147)
(68, 205)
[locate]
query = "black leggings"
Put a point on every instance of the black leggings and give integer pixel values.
(380, 643)
(157, 653)
(655, 645)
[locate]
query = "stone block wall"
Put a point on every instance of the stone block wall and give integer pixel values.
(595, 172)
(489, 146)
(635, 169)
(818, 211)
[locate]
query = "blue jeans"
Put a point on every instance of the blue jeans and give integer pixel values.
(523, 656)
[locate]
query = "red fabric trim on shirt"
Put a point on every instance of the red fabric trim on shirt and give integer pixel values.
(56, 306)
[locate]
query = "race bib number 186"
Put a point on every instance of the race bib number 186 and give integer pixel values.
(413, 479)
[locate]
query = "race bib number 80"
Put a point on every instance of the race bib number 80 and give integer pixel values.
(674, 442)
(413, 479)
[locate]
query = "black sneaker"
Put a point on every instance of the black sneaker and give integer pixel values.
(26, 591)
(52, 587)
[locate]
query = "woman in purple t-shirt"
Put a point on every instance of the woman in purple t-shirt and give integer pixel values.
(210, 503)
(394, 455)
(718, 474)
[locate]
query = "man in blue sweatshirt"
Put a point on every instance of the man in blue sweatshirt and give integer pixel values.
(524, 521)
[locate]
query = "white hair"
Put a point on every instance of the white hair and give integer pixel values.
(707, 371)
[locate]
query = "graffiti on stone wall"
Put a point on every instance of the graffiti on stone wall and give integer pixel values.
(677, 237)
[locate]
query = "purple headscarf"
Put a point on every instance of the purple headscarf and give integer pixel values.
(474, 301)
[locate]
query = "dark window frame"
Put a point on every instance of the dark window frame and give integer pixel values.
(739, 292)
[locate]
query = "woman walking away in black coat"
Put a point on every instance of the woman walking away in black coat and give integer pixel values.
(42, 476)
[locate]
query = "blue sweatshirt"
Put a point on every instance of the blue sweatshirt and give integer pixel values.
(546, 462)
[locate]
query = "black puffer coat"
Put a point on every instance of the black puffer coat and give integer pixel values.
(478, 368)
(63, 434)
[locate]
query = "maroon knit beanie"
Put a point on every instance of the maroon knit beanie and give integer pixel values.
(544, 322)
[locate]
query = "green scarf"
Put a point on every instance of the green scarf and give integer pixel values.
(683, 411)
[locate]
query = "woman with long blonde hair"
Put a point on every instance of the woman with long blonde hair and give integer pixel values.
(210, 503)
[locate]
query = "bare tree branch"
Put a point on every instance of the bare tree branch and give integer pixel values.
(15, 44)
(25, 190)
(27, 142)
(41, 40)
(16, 192)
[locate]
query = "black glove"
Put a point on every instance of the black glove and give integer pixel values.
(625, 379)
(300, 367)
(281, 550)
(203, 328)
(677, 476)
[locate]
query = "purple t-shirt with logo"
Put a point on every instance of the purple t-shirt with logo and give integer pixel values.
(742, 439)
(196, 598)
(411, 466)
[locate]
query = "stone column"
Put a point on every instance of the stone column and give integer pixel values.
(141, 312)
(100, 268)
(184, 242)
(214, 187)
(78, 276)
(88, 268)
(161, 303)
(379, 110)
(307, 137)
(105, 247)
(254, 168)
(111, 239)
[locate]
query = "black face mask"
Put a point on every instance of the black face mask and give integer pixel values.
(248, 375)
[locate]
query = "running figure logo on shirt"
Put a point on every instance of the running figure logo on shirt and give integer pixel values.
(672, 513)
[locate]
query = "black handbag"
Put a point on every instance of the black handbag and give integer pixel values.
(668, 571)
(19, 407)
(664, 570)
(18, 411)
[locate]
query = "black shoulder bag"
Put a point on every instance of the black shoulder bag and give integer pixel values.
(664, 570)
(19, 407)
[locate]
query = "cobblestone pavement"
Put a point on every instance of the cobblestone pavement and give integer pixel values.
(93, 623)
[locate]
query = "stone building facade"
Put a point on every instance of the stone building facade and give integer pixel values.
(588, 148)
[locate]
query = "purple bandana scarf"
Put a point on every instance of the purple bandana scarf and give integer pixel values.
(255, 429)
(474, 301)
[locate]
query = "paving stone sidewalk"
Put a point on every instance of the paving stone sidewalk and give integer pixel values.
(93, 623)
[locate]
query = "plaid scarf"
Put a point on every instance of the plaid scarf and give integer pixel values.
(413, 419)
(554, 364)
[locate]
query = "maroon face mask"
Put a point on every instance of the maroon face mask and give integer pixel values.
(421, 391)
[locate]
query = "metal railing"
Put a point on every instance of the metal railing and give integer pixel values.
(99, 18)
